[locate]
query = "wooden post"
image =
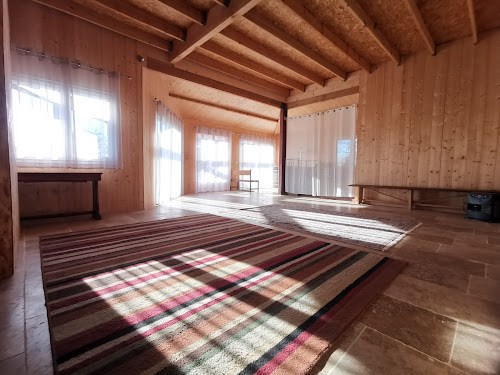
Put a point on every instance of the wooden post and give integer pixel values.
(410, 199)
(282, 161)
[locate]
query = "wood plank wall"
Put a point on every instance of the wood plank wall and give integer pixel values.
(62, 35)
(433, 121)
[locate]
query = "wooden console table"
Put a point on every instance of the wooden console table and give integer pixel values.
(29, 177)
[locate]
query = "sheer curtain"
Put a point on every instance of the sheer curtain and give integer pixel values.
(321, 153)
(213, 159)
(64, 114)
(169, 133)
(257, 154)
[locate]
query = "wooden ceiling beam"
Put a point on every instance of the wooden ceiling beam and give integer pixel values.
(272, 29)
(252, 65)
(218, 18)
(230, 109)
(324, 97)
(358, 12)
(262, 50)
(144, 17)
(224, 3)
(169, 69)
(422, 28)
(237, 73)
(186, 10)
(324, 30)
(107, 22)
(472, 16)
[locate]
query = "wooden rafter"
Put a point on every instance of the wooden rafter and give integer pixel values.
(422, 28)
(144, 17)
(186, 10)
(224, 3)
(237, 73)
(107, 22)
(170, 70)
(324, 30)
(472, 16)
(272, 29)
(358, 12)
(242, 39)
(324, 97)
(252, 65)
(218, 18)
(230, 109)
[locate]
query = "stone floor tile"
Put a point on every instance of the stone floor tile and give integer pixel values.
(375, 353)
(14, 365)
(470, 252)
(345, 340)
(421, 329)
(418, 244)
(485, 288)
(438, 275)
(441, 260)
(493, 271)
(12, 328)
(449, 302)
(476, 351)
(38, 352)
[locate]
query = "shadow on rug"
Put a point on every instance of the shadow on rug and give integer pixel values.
(373, 231)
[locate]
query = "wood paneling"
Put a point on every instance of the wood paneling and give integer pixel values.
(433, 121)
(59, 34)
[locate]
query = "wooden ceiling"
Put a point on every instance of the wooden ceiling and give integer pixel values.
(264, 51)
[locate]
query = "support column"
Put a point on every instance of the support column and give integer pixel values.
(282, 161)
(9, 208)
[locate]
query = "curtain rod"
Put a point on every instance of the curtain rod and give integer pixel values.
(77, 64)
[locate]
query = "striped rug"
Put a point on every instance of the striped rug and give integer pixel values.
(201, 294)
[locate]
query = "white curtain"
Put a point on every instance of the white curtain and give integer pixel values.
(257, 154)
(169, 133)
(213, 159)
(321, 153)
(64, 114)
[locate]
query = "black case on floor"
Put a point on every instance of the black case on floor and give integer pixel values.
(483, 206)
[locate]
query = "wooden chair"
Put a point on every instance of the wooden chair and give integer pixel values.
(237, 178)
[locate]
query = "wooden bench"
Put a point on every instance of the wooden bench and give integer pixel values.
(411, 203)
(249, 180)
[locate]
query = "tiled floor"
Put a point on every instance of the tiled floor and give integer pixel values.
(441, 315)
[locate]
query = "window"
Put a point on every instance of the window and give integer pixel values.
(60, 122)
(257, 155)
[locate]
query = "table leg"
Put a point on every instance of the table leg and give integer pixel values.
(410, 200)
(95, 200)
(359, 198)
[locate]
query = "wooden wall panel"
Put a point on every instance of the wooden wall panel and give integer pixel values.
(59, 34)
(433, 121)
